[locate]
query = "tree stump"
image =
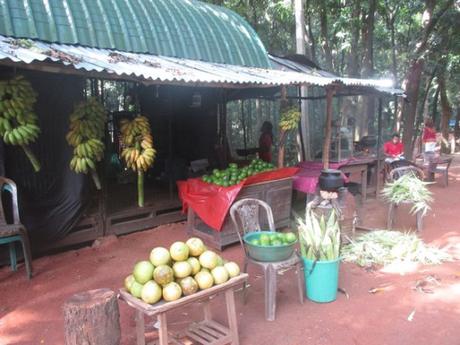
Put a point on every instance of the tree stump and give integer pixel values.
(92, 318)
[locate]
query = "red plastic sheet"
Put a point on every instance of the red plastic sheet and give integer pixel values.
(211, 202)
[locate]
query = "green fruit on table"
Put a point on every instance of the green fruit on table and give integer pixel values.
(179, 251)
(159, 256)
(220, 275)
(232, 268)
(151, 292)
(189, 286)
(129, 280)
(136, 289)
(163, 274)
(208, 259)
(143, 271)
(182, 269)
(196, 267)
(204, 279)
(172, 292)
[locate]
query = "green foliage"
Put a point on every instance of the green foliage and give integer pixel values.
(346, 31)
(409, 188)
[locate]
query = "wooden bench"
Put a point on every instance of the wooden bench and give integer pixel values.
(206, 332)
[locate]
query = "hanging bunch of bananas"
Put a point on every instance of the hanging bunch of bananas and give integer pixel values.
(18, 122)
(87, 125)
(289, 119)
(138, 151)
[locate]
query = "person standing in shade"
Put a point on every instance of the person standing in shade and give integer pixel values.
(429, 137)
(266, 142)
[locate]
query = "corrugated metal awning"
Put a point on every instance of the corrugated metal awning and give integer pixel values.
(385, 86)
(152, 69)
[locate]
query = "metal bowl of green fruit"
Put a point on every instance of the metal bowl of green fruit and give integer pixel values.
(270, 246)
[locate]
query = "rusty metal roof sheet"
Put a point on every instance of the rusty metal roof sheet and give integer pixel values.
(155, 69)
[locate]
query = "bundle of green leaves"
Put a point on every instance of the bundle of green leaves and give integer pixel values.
(319, 239)
(385, 247)
(409, 188)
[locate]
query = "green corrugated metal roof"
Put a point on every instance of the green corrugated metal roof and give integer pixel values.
(180, 28)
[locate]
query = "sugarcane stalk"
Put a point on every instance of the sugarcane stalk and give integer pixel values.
(140, 188)
(96, 180)
(33, 160)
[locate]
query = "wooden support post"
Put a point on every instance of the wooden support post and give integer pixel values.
(379, 149)
(231, 315)
(327, 133)
(92, 318)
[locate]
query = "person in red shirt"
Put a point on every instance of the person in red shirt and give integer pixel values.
(429, 136)
(266, 142)
(394, 149)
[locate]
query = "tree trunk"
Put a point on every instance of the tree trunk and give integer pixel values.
(409, 109)
(412, 81)
(446, 111)
(434, 109)
(353, 66)
(328, 128)
(457, 123)
(301, 48)
(325, 36)
(368, 65)
(390, 18)
(311, 37)
(92, 318)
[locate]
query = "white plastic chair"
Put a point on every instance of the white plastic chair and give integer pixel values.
(245, 216)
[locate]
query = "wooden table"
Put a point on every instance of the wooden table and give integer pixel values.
(206, 332)
(359, 166)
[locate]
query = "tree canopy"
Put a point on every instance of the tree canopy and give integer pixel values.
(416, 43)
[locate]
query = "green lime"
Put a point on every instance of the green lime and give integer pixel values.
(255, 242)
(264, 240)
(290, 237)
(277, 242)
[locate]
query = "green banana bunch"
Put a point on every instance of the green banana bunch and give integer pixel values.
(138, 151)
(18, 122)
(289, 119)
(87, 125)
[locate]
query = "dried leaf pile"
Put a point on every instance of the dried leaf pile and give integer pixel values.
(384, 247)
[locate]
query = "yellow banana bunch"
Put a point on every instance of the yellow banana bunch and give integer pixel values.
(18, 122)
(289, 119)
(86, 131)
(138, 153)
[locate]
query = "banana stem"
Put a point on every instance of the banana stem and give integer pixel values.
(140, 188)
(32, 158)
(96, 180)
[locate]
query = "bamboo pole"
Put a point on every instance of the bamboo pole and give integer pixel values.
(327, 132)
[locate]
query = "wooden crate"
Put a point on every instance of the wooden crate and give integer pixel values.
(277, 194)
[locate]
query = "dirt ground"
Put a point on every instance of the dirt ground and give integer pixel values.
(31, 311)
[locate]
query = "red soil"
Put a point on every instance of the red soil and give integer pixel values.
(31, 311)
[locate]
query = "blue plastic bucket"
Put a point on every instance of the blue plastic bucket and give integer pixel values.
(321, 280)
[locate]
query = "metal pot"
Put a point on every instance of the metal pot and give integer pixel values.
(330, 180)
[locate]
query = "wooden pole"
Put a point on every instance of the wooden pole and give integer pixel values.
(379, 149)
(92, 318)
(300, 34)
(327, 132)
